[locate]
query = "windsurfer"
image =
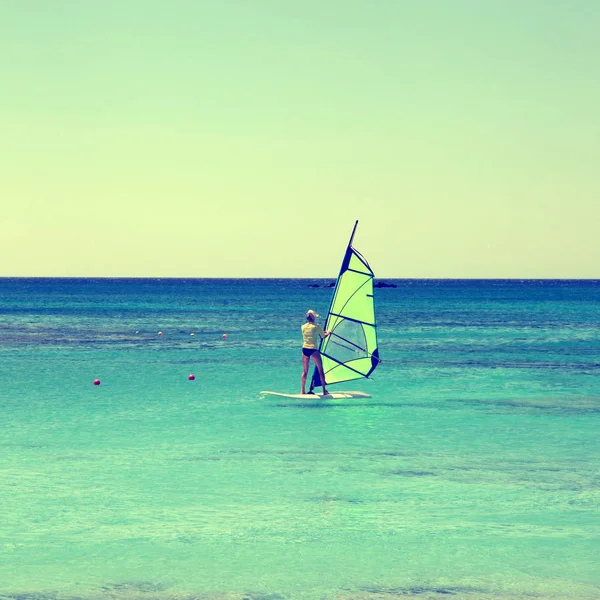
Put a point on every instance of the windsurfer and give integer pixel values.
(310, 330)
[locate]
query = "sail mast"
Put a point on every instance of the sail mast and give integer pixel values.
(343, 267)
(353, 231)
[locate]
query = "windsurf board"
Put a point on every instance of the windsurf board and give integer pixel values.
(330, 396)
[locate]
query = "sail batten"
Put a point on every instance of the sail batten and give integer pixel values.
(351, 318)
(355, 271)
(345, 365)
(355, 320)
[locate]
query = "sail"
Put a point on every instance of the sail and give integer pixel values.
(350, 351)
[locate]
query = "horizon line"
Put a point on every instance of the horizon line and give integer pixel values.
(175, 277)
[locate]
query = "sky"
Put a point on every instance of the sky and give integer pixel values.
(243, 138)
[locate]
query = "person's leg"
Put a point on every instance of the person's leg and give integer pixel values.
(317, 358)
(305, 363)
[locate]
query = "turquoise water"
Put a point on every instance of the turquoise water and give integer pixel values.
(471, 473)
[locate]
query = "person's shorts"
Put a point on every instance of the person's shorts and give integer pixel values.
(309, 351)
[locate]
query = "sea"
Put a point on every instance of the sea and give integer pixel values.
(472, 472)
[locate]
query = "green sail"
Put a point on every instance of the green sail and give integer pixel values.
(350, 351)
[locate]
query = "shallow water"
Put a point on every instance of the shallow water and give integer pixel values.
(472, 472)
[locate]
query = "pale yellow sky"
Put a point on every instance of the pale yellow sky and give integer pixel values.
(240, 139)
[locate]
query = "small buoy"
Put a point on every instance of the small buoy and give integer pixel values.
(191, 377)
(160, 333)
(224, 336)
(137, 331)
(192, 334)
(96, 382)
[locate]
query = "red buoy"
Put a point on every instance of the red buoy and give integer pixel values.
(191, 377)
(224, 336)
(96, 382)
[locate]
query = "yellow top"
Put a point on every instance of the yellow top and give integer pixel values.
(310, 331)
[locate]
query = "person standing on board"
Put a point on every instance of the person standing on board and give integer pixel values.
(310, 332)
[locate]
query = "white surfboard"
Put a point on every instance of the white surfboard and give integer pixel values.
(330, 396)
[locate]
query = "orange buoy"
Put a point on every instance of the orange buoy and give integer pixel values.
(96, 382)
(191, 377)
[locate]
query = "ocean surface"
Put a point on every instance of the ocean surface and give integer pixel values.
(473, 472)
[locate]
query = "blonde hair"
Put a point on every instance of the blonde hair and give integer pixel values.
(311, 316)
